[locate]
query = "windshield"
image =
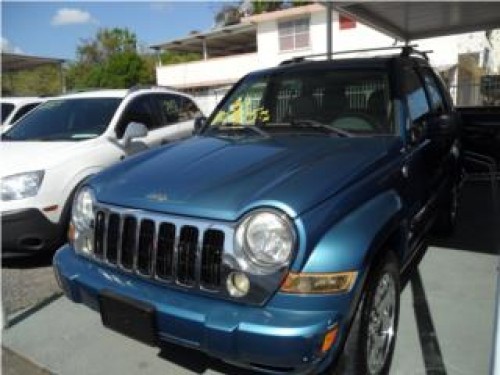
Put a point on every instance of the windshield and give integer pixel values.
(6, 111)
(345, 102)
(65, 119)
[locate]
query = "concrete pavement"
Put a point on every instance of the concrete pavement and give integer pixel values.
(445, 328)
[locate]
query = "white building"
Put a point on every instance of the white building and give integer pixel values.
(266, 39)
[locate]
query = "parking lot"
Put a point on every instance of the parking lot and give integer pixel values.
(445, 327)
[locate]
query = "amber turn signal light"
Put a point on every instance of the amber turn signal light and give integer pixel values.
(329, 339)
(306, 283)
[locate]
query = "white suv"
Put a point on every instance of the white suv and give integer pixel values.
(15, 108)
(51, 150)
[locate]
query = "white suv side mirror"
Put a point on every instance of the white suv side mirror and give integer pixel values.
(132, 131)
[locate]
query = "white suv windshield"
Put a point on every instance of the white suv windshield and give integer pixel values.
(65, 119)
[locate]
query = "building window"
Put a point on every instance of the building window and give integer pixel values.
(346, 22)
(294, 34)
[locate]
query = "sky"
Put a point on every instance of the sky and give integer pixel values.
(55, 29)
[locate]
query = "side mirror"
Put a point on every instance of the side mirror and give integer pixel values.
(132, 131)
(199, 123)
(442, 126)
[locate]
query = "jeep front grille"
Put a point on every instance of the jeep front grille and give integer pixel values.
(159, 247)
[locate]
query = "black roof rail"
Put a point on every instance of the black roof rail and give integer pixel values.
(406, 51)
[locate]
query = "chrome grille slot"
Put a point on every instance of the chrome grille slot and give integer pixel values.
(128, 242)
(165, 251)
(146, 246)
(186, 258)
(211, 258)
(112, 240)
(100, 226)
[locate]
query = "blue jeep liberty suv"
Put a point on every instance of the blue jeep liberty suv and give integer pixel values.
(286, 220)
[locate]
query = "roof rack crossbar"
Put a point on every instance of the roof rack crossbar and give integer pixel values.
(406, 51)
(143, 87)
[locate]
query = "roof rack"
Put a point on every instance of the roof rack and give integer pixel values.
(146, 87)
(406, 51)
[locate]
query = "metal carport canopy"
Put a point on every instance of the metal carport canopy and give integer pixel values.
(408, 21)
(13, 62)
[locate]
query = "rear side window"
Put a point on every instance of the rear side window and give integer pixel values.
(188, 109)
(415, 95)
(23, 110)
(170, 107)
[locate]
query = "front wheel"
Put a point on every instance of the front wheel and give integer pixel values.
(371, 342)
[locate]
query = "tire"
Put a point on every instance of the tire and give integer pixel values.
(381, 297)
(447, 216)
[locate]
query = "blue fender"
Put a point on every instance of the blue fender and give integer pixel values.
(352, 241)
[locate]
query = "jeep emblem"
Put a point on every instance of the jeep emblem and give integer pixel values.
(157, 197)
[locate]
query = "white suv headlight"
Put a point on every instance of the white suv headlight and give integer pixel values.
(22, 185)
(267, 238)
(82, 220)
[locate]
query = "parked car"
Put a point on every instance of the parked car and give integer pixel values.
(57, 146)
(286, 221)
(13, 108)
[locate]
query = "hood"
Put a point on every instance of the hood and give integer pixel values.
(18, 157)
(219, 178)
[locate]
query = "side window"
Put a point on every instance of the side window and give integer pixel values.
(188, 110)
(170, 106)
(415, 95)
(23, 110)
(138, 110)
(435, 94)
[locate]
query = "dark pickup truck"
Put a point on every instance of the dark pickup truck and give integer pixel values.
(290, 217)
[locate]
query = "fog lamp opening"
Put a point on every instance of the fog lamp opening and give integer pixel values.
(237, 284)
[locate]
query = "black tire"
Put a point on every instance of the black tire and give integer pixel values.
(356, 356)
(446, 219)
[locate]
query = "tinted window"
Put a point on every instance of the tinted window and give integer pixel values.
(188, 110)
(23, 110)
(6, 110)
(415, 95)
(65, 119)
(138, 110)
(354, 100)
(170, 106)
(435, 94)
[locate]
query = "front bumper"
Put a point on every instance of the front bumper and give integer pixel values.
(269, 339)
(27, 231)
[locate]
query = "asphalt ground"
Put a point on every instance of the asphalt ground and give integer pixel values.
(27, 282)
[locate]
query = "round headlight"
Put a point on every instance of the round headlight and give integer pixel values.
(83, 209)
(267, 238)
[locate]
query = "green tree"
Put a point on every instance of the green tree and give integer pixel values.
(110, 60)
(172, 57)
(43, 80)
(260, 6)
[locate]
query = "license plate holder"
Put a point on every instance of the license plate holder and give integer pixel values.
(135, 319)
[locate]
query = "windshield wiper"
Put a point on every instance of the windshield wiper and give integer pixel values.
(318, 125)
(237, 126)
